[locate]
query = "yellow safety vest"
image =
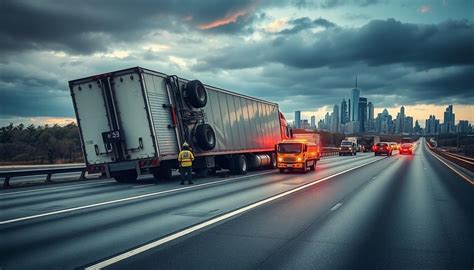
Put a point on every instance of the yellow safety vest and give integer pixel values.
(185, 158)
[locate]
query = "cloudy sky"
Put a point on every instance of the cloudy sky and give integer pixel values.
(301, 54)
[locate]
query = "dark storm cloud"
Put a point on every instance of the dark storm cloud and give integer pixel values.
(90, 26)
(305, 23)
(377, 43)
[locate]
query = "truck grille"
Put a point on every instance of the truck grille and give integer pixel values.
(289, 159)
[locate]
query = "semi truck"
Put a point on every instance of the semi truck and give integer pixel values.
(300, 152)
(135, 121)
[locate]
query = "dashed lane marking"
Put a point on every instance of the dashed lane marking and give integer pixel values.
(335, 207)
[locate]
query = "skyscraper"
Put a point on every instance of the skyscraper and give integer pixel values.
(344, 113)
(370, 118)
(449, 120)
(335, 119)
(313, 121)
(362, 114)
(355, 103)
(298, 119)
(400, 121)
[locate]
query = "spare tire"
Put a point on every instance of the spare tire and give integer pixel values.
(196, 94)
(205, 137)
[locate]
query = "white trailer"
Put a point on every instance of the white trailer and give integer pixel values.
(134, 122)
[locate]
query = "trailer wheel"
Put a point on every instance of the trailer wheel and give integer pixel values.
(205, 137)
(240, 165)
(163, 172)
(129, 176)
(196, 94)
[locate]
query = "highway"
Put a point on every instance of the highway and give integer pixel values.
(398, 212)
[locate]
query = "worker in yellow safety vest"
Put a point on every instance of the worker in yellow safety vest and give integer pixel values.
(185, 159)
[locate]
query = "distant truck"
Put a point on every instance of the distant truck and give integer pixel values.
(355, 140)
(348, 147)
(407, 140)
(300, 152)
(134, 121)
(368, 143)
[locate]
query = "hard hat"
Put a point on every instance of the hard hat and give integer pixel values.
(185, 144)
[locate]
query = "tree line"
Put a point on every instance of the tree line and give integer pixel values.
(40, 144)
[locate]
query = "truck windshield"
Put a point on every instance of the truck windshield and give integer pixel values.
(289, 148)
(346, 143)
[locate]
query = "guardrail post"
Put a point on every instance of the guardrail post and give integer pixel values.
(6, 183)
(48, 178)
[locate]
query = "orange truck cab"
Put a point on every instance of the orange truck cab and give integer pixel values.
(297, 154)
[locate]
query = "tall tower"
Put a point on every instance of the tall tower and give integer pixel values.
(298, 119)
(355, 103)
(343, 111)
(370, 111)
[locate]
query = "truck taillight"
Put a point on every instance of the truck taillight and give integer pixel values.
(148, 163)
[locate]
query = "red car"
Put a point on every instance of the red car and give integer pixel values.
(382, 148)
(406, 148)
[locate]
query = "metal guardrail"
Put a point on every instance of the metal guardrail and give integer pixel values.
(330, 151)
(48, 172)
(465, 162)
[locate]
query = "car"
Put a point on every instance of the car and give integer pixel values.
(347, 148)
(394, 145)
(383, 148)
(406, 148)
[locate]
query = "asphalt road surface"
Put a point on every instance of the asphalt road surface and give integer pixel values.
(399, 212)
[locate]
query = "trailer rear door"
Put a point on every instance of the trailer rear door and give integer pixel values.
(92, 119)
(132, 110)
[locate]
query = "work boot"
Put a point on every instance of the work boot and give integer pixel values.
(191, 183)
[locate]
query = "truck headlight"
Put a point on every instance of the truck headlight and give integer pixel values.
(280, 159)
(298, 159)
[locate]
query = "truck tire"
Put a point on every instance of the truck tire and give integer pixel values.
(273, 161)
(282, 170)
(313, 167)
(240, 165)
(129, 176)
(205, 137)
(305, 168)
(196, 94)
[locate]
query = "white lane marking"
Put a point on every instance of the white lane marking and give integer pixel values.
(452, 168)
(53, 188)
(335, 207)
(3, 222)
(139, 186)
(212, 221)
(373, 178)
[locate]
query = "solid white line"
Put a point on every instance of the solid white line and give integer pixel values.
(126, 199)
(53, 188)
(335, 207)
(194, 228)
(451, 167)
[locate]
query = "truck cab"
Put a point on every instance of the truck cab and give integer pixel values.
(297, 154)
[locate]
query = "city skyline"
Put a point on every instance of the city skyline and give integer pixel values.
(364, 119)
